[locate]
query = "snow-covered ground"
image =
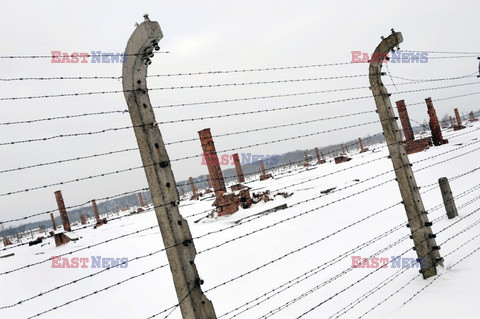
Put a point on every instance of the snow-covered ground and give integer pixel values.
(312, 240)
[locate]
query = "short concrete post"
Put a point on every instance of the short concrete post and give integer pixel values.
(448, 199)
(63, 211)
(53, 221)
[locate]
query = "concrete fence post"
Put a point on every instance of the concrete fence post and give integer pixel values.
(421, 232)
(174, 228)
(448, 199)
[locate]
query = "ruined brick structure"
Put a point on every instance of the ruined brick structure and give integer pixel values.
(99, 222)
(360, 144)
(307, 160)
(140, 200)
(83, 219)
(53, 221)
(437, 137)
(63, 211)
(6, 241)
(472, 117)
(342, 158)
(195, 194)
(459, 125)
(263, 176)
(238, 168)
(320, 160)
(411, 145)
(226, 203)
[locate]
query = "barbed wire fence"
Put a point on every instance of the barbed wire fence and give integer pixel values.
(318, 202)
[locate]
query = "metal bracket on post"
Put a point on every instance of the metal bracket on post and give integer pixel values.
(424, 241)
(174, 228)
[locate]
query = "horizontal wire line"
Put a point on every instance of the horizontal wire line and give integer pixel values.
(211, 102)
(185, 87)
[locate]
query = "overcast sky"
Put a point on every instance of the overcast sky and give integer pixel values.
(207, 36)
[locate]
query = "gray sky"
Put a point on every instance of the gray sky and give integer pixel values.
(203, 36)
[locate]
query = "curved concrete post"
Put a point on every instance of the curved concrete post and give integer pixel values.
(174, 228)
(425, 245)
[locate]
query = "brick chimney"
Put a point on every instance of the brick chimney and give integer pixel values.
(213, 163)
(53, 221)
(238, 168)
(437, 137)
(319, 157)
(63, 211)
(405, 120)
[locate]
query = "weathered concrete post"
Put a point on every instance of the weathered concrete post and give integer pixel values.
(425, 245)
(140, 200)
(53, 221)
(173, 227)
(63, 211)
(447, 196)
(437, 137)
(238, 168)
